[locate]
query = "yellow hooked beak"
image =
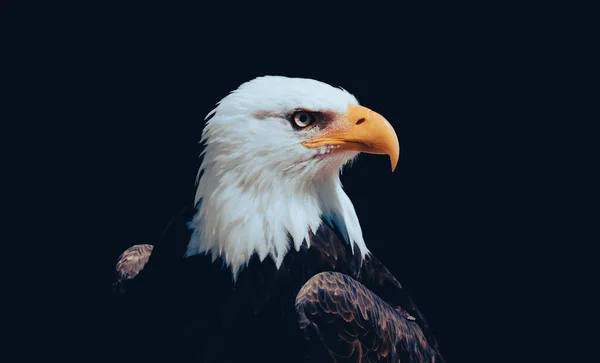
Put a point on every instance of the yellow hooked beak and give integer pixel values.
(361, 130)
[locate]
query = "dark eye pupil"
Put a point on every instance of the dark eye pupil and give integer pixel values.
(302, 119)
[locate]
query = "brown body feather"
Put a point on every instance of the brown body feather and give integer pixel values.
(347, 322)
(324, 304)
(131, 262)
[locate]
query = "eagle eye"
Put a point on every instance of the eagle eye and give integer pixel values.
(303, 119)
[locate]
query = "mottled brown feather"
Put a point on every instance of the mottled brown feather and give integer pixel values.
(352, 324)
(131, 262)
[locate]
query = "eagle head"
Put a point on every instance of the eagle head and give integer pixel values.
(273, 149)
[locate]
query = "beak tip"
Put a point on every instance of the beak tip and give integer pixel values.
(395, 155)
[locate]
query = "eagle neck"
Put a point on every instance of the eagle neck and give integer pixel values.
(238, 216)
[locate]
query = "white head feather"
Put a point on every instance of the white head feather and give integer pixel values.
(258, 183)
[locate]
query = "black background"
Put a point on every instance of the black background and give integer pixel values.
(118, 94)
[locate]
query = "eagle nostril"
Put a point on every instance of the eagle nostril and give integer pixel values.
(360, 121)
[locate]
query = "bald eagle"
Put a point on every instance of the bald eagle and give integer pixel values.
(269, 263)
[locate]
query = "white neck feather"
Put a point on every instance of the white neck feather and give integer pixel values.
(242, 214)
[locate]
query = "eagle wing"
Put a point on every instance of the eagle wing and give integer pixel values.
(157, 260)
(344, 321)
(131, 262)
